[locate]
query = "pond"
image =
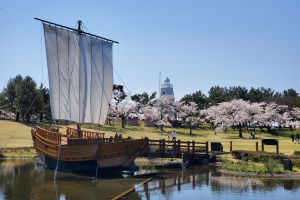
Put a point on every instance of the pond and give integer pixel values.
(24, 179)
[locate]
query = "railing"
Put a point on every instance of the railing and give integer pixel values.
(51, 136)
(177, 147)
(72, 133)
(85, 141)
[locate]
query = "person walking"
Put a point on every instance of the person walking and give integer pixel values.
(174, 135)
(293, 137)
(297, 138)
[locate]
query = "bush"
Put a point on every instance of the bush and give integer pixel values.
(296, 162)
(270, 164)
(262, 156)
(259, 156)
(256, 156)
(297, 153)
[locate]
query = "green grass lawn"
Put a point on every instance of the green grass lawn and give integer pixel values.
(13, 135)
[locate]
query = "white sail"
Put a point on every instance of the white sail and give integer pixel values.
(80, 75)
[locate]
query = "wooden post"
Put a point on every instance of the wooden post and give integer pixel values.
(256, 146)
(163, 189)
(230, 147)
(78, 130)
(206, 149)
(163, 147)
(159, 145)
(277, 147)
(178, 148)
(147, 147)
(193, 181)
(179, 183)
(262, 146)
(188, 144)
(146, 189)
(193, 148)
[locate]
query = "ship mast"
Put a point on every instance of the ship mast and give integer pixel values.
(78, 124)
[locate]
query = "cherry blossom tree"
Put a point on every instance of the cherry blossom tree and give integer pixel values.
(295, 118)
(241, 114)
(187, 113)
(122, 110)
(165, 108)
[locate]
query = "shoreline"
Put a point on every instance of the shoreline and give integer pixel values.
(283, 176)
(17, 153)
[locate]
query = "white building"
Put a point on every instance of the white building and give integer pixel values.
(166, 88)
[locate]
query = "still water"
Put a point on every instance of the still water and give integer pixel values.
(21, 179)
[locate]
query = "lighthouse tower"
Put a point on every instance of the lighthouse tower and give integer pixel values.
(166, 88)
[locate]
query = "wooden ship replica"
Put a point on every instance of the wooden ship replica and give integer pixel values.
(80, 75)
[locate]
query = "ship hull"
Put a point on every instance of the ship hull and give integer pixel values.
(84, 154)
(67, 166)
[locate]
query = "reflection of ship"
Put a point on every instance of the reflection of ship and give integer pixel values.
(80, 80)
(81, 189)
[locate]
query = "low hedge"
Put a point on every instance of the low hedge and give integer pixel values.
(297, 153)
(258, 156)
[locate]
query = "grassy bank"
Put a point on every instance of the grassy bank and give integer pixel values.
(257, 162)
(18, 135)
(19, 152)
(13, 134)
(206, 134)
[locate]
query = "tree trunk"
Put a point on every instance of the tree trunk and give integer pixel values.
(17, 116)
(268, 129)
(41, 117)
(123, 122)
(162, 127)
(240, 131)
(191, 129)
(27, 118)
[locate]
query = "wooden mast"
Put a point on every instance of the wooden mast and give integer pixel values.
(78, 124)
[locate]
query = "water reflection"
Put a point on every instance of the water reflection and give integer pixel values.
(21, 179)
(207, 182)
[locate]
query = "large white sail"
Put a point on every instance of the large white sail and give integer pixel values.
(80, 75)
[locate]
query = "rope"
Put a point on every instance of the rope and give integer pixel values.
(96, 163)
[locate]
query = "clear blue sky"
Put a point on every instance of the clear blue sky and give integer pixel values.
(198, 44)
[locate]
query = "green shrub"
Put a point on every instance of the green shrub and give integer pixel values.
(297, 153)
(271, 164)
(296, 161)
(257, 156)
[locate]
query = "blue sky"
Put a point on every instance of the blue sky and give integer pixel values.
(198, 44)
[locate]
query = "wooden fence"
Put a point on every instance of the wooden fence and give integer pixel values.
(163, 148)
(72, 133)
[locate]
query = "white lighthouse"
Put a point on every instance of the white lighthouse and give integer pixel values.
(166, 88)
